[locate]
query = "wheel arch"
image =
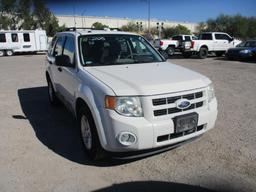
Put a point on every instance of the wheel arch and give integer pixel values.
(204, 46)
(85, 99)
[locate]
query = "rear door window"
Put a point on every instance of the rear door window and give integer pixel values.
(2, 38)
(178, 38)
(205, 36)
(187, 38)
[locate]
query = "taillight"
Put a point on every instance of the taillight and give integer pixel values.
(192, 44)
(161, 43)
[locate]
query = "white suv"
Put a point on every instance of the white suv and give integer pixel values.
(124, 95)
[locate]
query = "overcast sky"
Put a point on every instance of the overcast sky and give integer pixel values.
(180, 10)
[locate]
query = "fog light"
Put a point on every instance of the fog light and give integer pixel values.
(126, 138)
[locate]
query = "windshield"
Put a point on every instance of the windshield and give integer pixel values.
(116, 50)
(247, 44)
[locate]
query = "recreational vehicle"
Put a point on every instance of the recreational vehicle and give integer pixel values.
(22, 41)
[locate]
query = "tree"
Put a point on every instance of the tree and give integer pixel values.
(201, 27)
(8, 14)
(236, 25)
(99, 26)
(130, 27)
(179, 29)
(27, 14)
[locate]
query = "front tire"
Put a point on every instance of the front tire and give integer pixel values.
(89, 134)
(203, 53)
(53, 99)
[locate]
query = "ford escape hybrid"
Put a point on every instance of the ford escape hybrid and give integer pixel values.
(124, 95)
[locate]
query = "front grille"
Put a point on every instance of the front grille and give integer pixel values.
(176, 135)
(158, 102)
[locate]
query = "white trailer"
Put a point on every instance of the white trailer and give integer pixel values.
(22, 41)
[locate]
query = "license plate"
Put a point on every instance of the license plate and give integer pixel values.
(186, 122)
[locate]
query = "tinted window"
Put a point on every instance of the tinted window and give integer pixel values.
(194, 38)
(250, 44)
(15, 37)
(222, 36)
(69, 49)
(2, 38)
(187, 38)
(116, 49)
(59, 46)
(51, 45)
(26, 37)
(205, 36)
(178, 38)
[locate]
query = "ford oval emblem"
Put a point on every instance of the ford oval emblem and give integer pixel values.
(183, 103)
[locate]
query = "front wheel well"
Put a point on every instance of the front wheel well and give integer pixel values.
(81, 103)
(172, 46)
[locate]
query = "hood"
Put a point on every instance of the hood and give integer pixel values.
(148, 78)
(242, 48)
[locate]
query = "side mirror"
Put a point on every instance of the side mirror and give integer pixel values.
(63, 60)
(231, 39)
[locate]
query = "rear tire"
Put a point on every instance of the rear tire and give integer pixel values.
(203, 53)
(9, 52)
(170, 51)
(89, 134)
(2, 53)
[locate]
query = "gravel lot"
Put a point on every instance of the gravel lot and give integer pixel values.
(41, 151)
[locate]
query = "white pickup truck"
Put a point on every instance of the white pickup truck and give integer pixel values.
(209, 42)
(176, 43)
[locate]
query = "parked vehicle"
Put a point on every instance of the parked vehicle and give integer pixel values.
(244, 50)
(124, 95)
(22, 41)
(211, 42)
(175, 44)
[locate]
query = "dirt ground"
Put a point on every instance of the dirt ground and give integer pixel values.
(40, 149)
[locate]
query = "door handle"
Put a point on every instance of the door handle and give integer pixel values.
(59, 69)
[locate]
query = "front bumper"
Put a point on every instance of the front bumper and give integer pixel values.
(148, 131)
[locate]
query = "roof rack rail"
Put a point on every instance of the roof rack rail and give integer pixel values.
(89, 28)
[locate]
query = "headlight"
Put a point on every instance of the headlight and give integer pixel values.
(245, 51)
(126, 106)
(210, 92)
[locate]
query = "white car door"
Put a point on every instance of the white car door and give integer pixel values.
(220, 43)
(68, 74)
(54, 69)
(229, 40)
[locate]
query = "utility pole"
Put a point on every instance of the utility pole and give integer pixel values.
(74, 13)
(149, 16)
(82, 14)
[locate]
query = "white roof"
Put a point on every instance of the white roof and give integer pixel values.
(95, 32)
